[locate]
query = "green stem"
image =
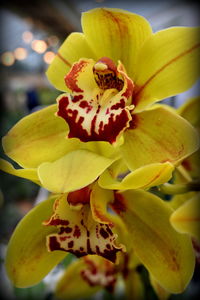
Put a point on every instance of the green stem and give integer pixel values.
(172, 189)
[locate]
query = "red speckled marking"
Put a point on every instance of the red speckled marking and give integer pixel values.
(107, 132)
(57, 222)
(77, 98)
(82, 235)
(77, 232)
(53, 244)
(121, 104)
(90, 115)
(65, 230)
(71, 244)
(85, 104)
(71, 77)
(103, 233)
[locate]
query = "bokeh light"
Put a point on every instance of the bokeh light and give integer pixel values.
(39, 46)
(7, 59)
(48, 57)
(20, 53)
(27, 37)
(53, 40)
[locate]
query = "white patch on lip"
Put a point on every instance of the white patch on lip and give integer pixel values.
(100, 66)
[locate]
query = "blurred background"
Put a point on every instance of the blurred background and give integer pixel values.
(31, 33)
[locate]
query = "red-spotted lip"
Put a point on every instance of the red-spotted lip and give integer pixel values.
(78, 232)
(93, 113)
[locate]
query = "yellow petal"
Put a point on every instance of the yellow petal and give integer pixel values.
(79, 233)
(73, 171)
(166, 254)
(101, 148)
(191, 164)
(72, 286)
(142, 178)
(186, 219)
(180, 199)
(164, 67)
(73, 48)
(159, 136)
(27, 259)
(99, 201)
(190, 111)
(119, 168)
(161, 293)
(30, 174)
(116, 34)
(39, 137)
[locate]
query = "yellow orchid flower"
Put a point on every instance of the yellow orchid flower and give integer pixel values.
(78, 221)
(158, 132)
(114, 71)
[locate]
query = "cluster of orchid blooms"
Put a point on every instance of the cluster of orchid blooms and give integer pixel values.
(102, 151)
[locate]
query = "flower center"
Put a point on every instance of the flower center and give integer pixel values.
(105, 75)
(98, 108)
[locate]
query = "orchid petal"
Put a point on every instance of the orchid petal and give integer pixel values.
(102, 148)
(38, 137)
(116, 34)
(79, 233)
(119, 168)
(73, 171)
(161, 293)
(192, 163)
(167, 255)
(27, 259)
(190, 111)
(186, 219)
(30, 174)
(164, 67)
(72, 286)
(180, 199)
(142, 178)
(73, 48)
(99, 201)
(158, 135)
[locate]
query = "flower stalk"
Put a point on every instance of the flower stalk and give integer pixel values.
(173, 189)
